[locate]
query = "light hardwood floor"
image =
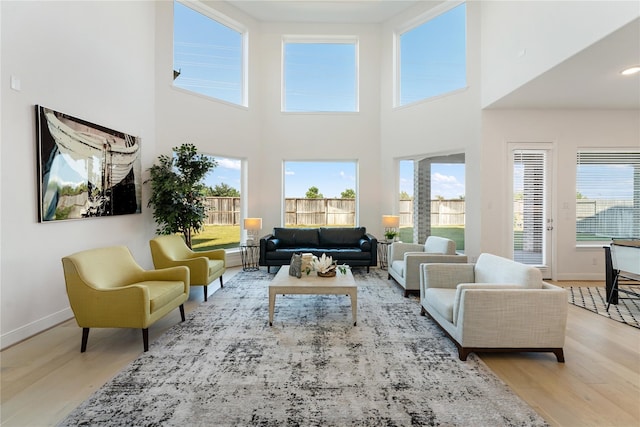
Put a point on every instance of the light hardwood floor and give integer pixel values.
(46, 376)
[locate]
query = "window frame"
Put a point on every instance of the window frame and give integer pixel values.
(320, 39)
(224, 20)
(412, 25)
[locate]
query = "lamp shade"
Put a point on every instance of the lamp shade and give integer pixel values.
(391, 221)
(253, 223)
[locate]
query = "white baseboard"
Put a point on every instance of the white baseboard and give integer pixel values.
(33, 328)
(581, 276)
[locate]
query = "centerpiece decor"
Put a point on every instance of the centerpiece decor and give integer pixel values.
(323, 266)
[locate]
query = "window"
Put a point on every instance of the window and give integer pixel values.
(222, 200)
(431, 57)
(530, 207)
(442, 199)
(208, 54)
(607, 196)
(320, 75)
(320, 194)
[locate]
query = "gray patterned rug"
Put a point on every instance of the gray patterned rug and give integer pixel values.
(225, 366)
(594, 299)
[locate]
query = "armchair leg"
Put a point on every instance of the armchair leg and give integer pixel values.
(221, 284)
(559, 354)
(145, 338)
(182, 312)
(205, 293)
(85, 338)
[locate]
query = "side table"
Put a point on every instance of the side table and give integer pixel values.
(383, 250)
(250, 257)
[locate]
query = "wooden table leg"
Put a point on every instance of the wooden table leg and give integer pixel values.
(354, 306)
(272, 304)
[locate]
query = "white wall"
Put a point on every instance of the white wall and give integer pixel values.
(444, 125)
(568, 131)
(523, 39)
(294, 136)
(93, 60)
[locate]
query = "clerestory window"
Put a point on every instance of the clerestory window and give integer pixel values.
(320, 74)
(209, 52)
(431, 57)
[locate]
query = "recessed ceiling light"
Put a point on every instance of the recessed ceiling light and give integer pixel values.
(631, 70)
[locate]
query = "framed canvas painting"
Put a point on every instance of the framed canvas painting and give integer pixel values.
(84, 169)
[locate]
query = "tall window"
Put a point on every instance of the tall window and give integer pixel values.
(607, 196)
(320, 75)
(222, 199)
(431, 57)
(208, 53)
(320, 194)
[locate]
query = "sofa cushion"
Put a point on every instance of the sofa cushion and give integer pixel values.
(296, 237)
(439, 245)
(338, 237)
(215, 265)
(162, 293)
(365, 245)
(495, 269)
(441, 299)
(398, 266)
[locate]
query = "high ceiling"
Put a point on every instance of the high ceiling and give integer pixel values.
(330, 11)
(589, 79)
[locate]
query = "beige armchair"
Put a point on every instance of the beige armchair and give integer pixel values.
(405, 259)
(108, 289)
(205, 266)
(495, 305)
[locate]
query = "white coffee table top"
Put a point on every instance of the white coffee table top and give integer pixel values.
(312, 279)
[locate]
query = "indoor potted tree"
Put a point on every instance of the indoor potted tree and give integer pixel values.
(177, 191)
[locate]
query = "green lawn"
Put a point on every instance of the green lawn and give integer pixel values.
(216, 237)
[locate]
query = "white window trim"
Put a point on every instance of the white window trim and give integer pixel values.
(408, 26)
(212, 13)
(317, 39)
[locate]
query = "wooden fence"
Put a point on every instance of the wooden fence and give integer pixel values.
(299, 212)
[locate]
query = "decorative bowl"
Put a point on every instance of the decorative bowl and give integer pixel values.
(330, 273)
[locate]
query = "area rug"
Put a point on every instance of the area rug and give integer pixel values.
(594, 299)
(224, 366)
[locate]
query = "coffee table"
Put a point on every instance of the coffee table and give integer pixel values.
(341, 284)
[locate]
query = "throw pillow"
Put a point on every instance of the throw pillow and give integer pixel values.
(295, 266)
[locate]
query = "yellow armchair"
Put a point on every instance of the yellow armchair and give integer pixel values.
(205, 266)
(108, 289)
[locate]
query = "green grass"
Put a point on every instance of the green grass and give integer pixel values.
(216, 237)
